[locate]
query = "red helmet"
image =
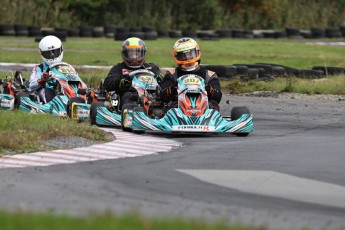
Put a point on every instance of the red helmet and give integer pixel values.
(133, 52)
(186, 53)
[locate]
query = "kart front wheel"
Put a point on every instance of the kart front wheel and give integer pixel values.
(18, 97)
(126, 119)
(138, 109)
(93, 111)
(237, 113)
(70, 102)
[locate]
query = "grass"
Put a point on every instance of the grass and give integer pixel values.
(331, 85)
(22, 220)
(19, 135)
(106, 52)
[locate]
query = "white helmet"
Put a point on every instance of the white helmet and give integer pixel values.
(51, 49)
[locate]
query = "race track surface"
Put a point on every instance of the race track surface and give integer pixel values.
(289, 173)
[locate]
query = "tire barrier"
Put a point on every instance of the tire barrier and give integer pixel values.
(151, 33)
(267, 71)
(21, 30)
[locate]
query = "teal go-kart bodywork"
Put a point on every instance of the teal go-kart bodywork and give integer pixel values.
(193, 114)
(108, 113)
(71, 95)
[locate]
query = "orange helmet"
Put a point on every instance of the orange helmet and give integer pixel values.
(186, 53)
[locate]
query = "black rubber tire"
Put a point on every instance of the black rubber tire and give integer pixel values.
(149, 29)
(73, 32)
(126, 107)
(122, 36)
(311, 74)
(138, 109)
(175, 34)
(328, 70)
(18, 97)
(224, 33)
(70, 102)
(151, 35)
(241, 70)
(333, 33)
(163, 33)
(218, 69)
(236, 113)
(139, 34)
(85, 31)
(93, 111)
(34, 31)
(317, 32)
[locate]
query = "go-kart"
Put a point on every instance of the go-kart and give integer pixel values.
(11, 86)
(109, 113)
(72, 95)
(193, 114)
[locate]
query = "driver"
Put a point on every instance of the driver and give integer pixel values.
(133, 56)
(187, 55)
(51, 51)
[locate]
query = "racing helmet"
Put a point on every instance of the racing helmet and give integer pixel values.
(133, 52)
(51, 50)
(186, 53)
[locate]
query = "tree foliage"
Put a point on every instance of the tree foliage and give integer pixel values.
(175, 14)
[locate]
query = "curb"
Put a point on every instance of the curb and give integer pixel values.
(122, 147)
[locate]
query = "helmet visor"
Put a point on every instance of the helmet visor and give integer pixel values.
(187, 55)
(51, 54)
(134, 53)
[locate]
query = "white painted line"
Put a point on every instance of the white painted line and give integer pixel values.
(39, 158)
(90, 154)
(269, 183)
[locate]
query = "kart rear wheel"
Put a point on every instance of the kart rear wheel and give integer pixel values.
(236, 113)
(124, 116)
(70, 102)
(93, 111)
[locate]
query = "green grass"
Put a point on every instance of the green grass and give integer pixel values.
(24, 132)
(330, 85)
(22, 220)
(106, 51)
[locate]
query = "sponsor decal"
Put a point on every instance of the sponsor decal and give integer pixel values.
(83, 113)
(193, 128)
(66, 70)
(146, 79)
(125, 71)
(192, 80)
(193, 110)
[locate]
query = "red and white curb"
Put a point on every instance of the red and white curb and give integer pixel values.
(125, 145)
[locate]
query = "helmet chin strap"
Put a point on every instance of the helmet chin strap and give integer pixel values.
(190, 68)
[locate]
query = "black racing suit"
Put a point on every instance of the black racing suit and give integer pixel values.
(121, 71)
(169, 86)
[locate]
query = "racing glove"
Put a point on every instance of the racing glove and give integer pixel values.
(170, 91)
(213, 93)
(159, 78)
(125, 83)
(44, 78)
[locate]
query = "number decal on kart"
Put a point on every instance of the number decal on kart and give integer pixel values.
(191, 81)
(146, 79)
(66, 70)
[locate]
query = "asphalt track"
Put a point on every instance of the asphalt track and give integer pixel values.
(289, 173)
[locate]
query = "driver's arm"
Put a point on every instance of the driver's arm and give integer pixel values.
(111, 82)
(169, 87)
(35, 78)
(213, 87)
